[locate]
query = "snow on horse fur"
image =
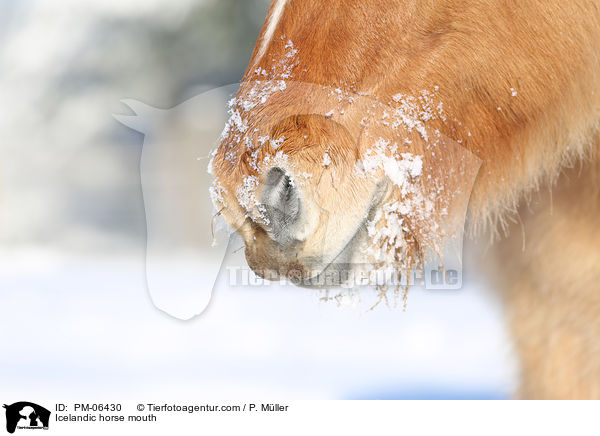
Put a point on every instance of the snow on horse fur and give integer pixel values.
(360, 126)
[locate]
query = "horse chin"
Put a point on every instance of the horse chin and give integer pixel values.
(339, 272)
(350, 259)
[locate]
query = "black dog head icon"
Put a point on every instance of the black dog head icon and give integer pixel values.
(23, 409)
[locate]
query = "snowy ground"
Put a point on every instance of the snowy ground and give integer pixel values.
(86, 328)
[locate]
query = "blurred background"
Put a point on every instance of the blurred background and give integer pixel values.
(75, 316)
